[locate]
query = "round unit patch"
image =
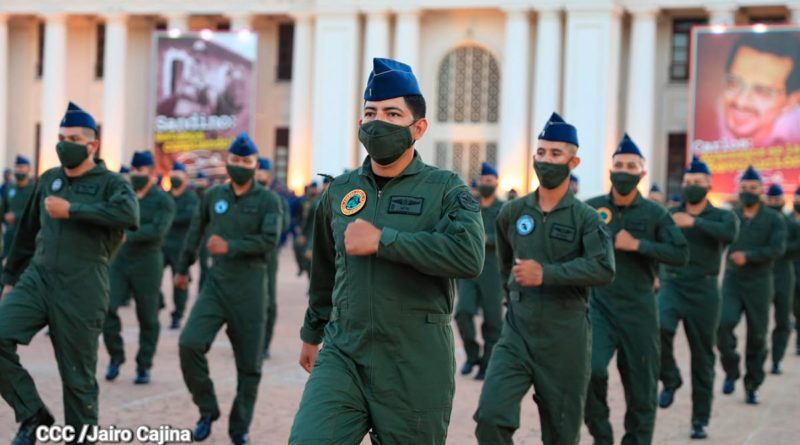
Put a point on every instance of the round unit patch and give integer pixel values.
(353, 202)
(57, 184)
(221, 207)
(605, 214)
(12, 193)
(525, 225)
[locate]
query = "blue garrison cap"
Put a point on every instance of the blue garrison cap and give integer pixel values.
(675, 198)
(178, 167)
(242, 145)
(775, 190)
(797, 191)
(654, 188)
(698, 166)
(627, 147)
(76, 117)
(390, 78)
(124, 169)
(573, 178)
(202, 175)
(473, 184)
(142, 159)
(751, 175)
(22, 160)
(556, 129)
(264, 164)
(488, 169)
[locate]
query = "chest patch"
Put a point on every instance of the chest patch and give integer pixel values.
(220, 207)
(12, 193)
(406, 205)
(57, 185)
(353, 202)
(605, 214)
(562, 232)
(86, 189)
(525, 225)
(636, 225)
(250, 209)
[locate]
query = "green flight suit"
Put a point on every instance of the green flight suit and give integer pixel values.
(14, 201)
(690, 294)
(203, 258)
(233, 295)
(137, 271)
(303, 230)
(546, 338)
(749, 289)
(484, 293)
(387, 364)
(784, 290)
(625, 318)
(185, 206)
(272, 279)
(59, 270)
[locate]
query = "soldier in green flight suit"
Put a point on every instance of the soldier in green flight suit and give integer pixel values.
(242, 221)
(389, 240)
(264, 177)
(302, 230)
(137, 271)
(690, 294)
(486, 291)
(201, 184)
(784, 279)
(185, 206)
(56, 275)
(15, 198)
(624, 314)
(748, 285)
(796, 305)
(551, 247)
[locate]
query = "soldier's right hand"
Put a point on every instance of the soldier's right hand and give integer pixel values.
(301, 240)
(181, 281)
(308, 355)
(528, 273)
(10, 218)
(6, 289)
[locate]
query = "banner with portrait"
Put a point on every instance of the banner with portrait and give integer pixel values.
(204, 97)
(745, 107)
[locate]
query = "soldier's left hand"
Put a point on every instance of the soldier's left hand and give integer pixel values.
(57, 208)
(683, 220)
(217, 245)
(361, 238)
(626, 242)
(528, 273)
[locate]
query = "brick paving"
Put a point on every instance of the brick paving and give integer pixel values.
(166, 401)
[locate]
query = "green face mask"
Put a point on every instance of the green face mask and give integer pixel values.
(486, 190)
(139, 181)
(176, 182)
(551, 175)
(624, 183)
(240, 175)
(749, 199)
(20, 176)
(777, 208)
(385, 142)
(694, 193)
(70, 154)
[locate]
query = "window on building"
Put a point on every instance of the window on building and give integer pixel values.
(280, 164)
(161, 25)
(37, 138)
(468, 87)
(465, 157)
(40, 50)
(676, 162)
(101, 49)
(224, 25)
(768, 19)
(681, 47)
(285, 50)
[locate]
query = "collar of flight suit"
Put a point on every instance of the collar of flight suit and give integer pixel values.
(98, 169)
(532, 200)
(232, 193)
(636, 202)
(413, 168)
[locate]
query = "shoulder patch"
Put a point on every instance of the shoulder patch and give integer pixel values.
(525, 225)
(469, 202)
(605, 214)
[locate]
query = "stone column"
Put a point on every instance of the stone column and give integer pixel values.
(54, 100)
(114, 100)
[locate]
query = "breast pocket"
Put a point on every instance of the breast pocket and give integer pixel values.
(566, 242)
(249, 218)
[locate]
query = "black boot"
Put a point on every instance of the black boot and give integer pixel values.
(27, 430)
(751, 397)
(776, 369)
(240, 439)
(667, 397)
(176, 324)
(112, 372)
(467, 368)
(142, 377)
(698, 431)
(203, 428)
(728, 386)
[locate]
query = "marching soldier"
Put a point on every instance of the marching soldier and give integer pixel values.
(56, 275)
(14, 199)
(551, 248)
(690, 294)
(242, 221)
(137, 271)
(624, 314)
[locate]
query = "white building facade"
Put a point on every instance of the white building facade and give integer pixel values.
(491, 71)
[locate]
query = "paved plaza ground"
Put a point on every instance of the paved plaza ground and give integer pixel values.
(166, 401)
